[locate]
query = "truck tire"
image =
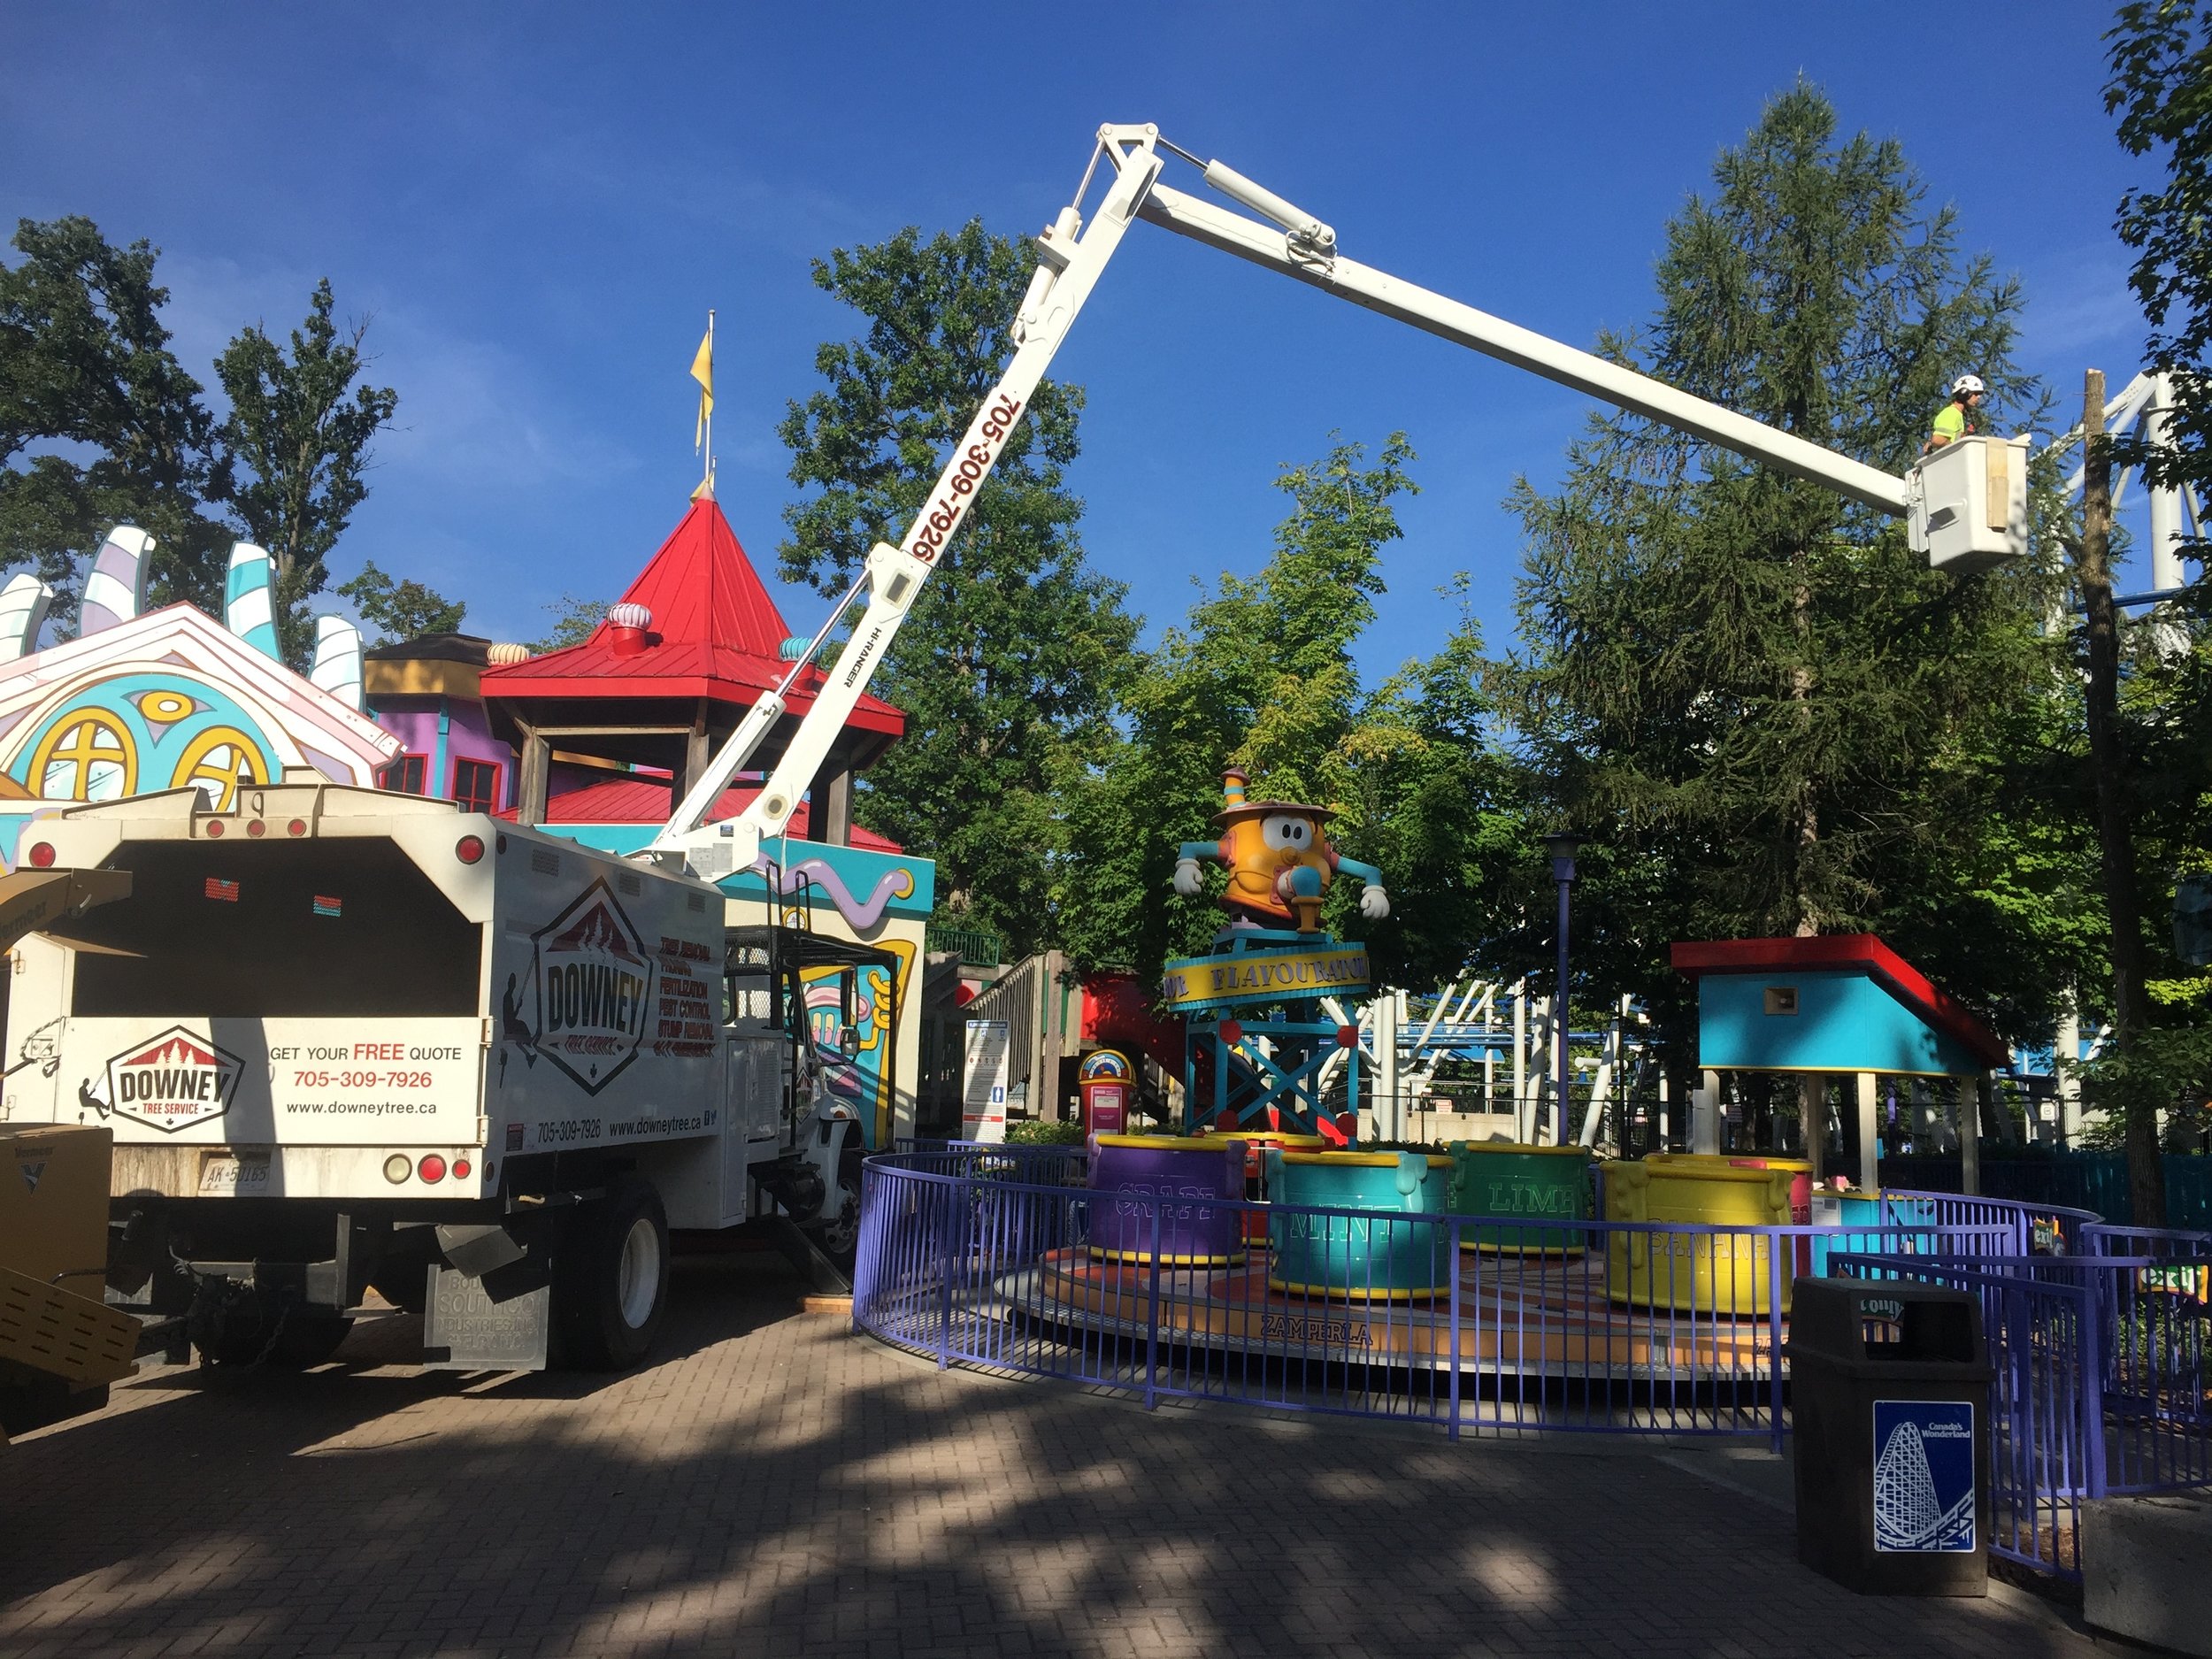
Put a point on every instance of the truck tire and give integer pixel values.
(611, 1278)
(837, 1233)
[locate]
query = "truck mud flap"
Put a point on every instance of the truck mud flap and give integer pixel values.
(497, 1321)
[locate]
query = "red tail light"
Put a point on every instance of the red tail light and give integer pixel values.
(432, 1168)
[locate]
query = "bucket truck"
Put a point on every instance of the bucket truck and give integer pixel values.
(347, 1039)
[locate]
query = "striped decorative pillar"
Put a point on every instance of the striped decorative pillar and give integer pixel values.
(248, 600)
(337, 668)
(116, 590)
(23, 605)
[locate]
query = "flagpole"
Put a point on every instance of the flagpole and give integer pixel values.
(709, 477)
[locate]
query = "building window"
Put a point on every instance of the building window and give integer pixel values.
(476, 786)
(403, 774)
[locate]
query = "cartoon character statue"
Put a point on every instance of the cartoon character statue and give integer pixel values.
(1280, 863)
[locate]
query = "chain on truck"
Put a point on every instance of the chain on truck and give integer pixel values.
(349, 1039)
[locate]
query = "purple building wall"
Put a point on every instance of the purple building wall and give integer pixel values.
(453, 743)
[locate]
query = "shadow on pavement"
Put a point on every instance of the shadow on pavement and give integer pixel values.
(772, 1484)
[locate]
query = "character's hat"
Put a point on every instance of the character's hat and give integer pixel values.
(1236, 810)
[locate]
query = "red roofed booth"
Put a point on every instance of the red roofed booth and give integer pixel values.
(668, 677)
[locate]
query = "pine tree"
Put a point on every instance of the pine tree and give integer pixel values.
(1008, 666)
(1747, 688)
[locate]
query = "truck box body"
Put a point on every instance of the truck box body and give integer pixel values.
(343, 994)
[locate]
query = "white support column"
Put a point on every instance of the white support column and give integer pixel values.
(1386, 1010)
(1970, 1136)
(1521, 1119)
(2065, 1051)
(1870, 1131)
(1705, 1115)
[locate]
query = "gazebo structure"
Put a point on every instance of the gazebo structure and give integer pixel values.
(1843, 1002)
(668, 676)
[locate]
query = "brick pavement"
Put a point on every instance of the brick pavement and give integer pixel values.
(776, 1486)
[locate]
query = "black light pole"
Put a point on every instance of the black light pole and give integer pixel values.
(1562, 847)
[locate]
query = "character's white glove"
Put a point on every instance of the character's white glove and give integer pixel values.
(1374, 903)
(1189, 881)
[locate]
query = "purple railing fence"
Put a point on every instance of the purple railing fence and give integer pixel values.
(978, 1255)
(2101, 1380)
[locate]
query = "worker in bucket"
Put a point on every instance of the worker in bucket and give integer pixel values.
(1955, 418)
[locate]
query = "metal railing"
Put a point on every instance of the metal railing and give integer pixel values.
(2101, 1378)
(999, 1257)
(971, 945)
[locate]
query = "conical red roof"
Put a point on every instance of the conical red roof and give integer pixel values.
(716, 633)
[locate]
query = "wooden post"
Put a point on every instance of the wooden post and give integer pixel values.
(830, 805)
(697, 752)
(537, 776)
(1870, 1131)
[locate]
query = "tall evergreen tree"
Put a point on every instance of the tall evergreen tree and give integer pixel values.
(1747, 688)
(99, 423)
(297, 436)
(1008, 667)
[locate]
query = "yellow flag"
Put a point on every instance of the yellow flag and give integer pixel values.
(702, 372)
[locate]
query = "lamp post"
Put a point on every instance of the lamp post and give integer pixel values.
(1562, 847)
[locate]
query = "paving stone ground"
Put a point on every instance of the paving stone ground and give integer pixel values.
(776, 1486)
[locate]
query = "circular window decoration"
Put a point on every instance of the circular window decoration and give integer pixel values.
(212, 762)
(88, 755)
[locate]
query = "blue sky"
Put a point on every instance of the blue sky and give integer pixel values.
(538, 203)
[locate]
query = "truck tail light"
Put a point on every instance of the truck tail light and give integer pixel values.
(461, 1168)
(298, 827)
(469, 848)
(432, 1168)
(43, 855)
(398, 1167)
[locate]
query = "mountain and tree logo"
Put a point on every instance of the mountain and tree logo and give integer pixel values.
(168, 1082)
(591, 991)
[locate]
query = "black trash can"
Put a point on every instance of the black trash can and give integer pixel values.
(1889, 1394)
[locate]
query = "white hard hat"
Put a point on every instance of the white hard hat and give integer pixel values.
(1967, 385)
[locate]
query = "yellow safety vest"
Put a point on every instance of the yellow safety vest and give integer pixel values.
(1950, 422)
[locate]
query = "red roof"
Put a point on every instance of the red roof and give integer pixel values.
(716, 633)
(635, 800)
(1860, 952)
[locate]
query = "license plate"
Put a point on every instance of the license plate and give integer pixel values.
(223, 1176)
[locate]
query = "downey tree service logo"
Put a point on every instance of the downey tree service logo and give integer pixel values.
(594, 989)
(169, 1082)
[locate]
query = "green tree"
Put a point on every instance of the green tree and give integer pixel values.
(400, 611)
(1747, 688)
(1008, 668)
(573, 620)
(2162, 90)
(1262, 675)
(99, 423)
(2152, 704)
(297, 436)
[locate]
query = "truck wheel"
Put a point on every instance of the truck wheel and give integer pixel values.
(611, 1278)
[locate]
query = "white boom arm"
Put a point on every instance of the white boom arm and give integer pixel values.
(1070, 260)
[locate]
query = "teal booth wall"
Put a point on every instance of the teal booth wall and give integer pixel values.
(1844, 1022)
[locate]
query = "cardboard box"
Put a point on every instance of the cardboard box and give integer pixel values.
(54, 1203)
